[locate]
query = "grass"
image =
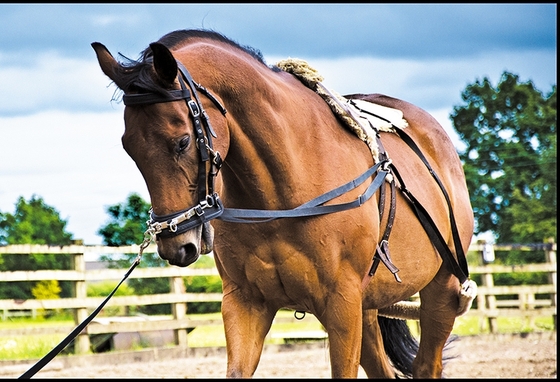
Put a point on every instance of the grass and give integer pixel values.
(35, 347)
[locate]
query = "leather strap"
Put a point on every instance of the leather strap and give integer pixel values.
(315, 206)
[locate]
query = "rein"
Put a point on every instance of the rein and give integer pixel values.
(58, 348)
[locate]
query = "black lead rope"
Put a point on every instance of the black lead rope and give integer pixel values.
(54, 352)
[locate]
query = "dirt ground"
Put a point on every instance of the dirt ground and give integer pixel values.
(488, 356)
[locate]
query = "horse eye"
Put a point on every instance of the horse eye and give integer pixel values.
(183, 144)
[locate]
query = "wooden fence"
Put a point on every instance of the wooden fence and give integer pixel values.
(530, 300)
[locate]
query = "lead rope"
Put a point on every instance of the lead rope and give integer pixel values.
(148, 237)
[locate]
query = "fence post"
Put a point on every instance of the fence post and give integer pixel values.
(81, 343)
(552, 276)
(179, 310)
(489, 301)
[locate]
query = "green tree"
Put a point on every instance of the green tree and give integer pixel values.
(33, 222)
(126, 226)
(510, 158)
(127, 222)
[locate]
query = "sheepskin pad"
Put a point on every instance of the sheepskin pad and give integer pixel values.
(364, 118)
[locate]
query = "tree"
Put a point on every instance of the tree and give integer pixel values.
(127, 222)
(510, 158)
(34, 222)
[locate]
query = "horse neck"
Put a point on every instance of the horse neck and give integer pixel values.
(279, 132)
(282, 137)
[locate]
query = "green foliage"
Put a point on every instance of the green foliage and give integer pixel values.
(203, 284)
(46, 290)
(33, 222)
(127, 222)
(104, 288)
(510, 158)
(521, 278)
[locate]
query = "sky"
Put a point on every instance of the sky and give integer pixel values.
(60, 132)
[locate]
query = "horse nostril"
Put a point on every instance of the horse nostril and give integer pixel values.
(191, 251)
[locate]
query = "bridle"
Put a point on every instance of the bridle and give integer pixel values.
(209, 204)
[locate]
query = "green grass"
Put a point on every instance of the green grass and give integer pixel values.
(28, 347)
(35, 347)
(468, 326)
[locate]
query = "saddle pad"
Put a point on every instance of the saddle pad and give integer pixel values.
(364, 118)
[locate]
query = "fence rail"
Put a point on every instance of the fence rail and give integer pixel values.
(530, 300)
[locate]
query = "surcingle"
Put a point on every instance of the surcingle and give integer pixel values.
(364, 118)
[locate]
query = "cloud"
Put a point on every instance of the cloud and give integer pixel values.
(60, 131)
(315, 30)
(74, 161)
(53, 82)
(431, 84)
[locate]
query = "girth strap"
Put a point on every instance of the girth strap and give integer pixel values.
(382, 253)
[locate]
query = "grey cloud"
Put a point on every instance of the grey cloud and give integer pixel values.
(319, 30)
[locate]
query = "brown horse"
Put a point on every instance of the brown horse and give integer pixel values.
(304, 212)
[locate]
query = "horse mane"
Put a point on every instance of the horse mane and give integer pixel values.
(136, 74)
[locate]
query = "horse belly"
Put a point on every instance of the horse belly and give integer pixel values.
(412, 252)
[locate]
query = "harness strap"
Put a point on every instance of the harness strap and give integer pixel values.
(149, 98)
(315, 206)
(462, 270)
(458, 266)
(434, 233)
(382, 253)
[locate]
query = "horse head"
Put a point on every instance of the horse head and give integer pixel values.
(169, 137)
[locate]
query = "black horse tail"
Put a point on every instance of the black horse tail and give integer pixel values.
(399, 343)
(402, 347)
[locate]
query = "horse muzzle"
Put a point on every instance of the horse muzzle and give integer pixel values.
(182, 236)
(184, 249)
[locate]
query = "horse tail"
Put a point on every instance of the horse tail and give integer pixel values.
(399, 343)
(402, 347)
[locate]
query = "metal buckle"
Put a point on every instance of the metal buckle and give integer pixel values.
(193, 107)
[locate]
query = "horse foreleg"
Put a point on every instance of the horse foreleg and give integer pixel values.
(373, 358)
(343, 321)
(438, 309)
(246, 326)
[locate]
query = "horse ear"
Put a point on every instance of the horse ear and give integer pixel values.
(164, 63)
(107, 62)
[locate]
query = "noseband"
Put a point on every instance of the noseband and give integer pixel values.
(209, 204)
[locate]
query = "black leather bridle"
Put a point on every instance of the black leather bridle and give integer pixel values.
(209, 204)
